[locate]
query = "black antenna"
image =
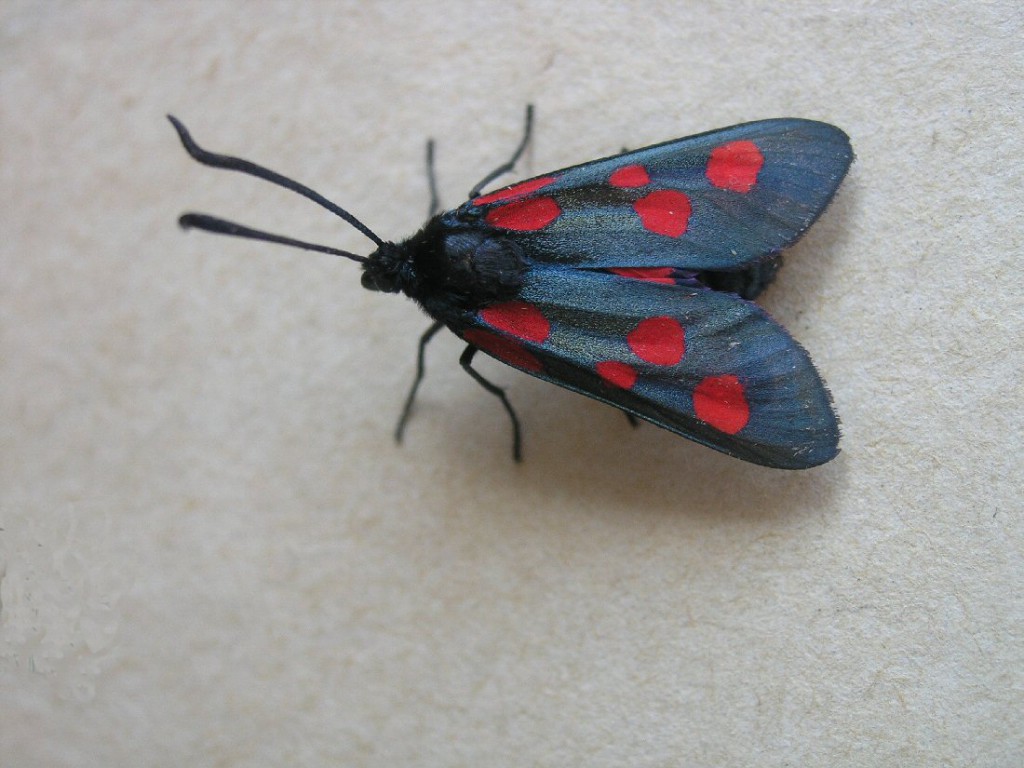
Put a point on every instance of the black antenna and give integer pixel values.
(222, 227)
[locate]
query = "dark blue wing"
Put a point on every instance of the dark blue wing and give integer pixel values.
(716, 201)
(707, 365)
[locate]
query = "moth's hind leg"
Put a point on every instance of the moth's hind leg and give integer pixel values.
(466, 361)
(506, 167)
(420, 371)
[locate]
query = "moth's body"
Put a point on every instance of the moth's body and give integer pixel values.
(448, 268)
(628, 279)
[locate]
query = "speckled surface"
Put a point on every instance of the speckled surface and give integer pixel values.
(213, 554)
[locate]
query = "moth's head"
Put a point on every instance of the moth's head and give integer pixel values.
(387, 269)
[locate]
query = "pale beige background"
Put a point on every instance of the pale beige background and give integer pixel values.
(213, 554)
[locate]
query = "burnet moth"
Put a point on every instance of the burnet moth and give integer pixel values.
(627, 279)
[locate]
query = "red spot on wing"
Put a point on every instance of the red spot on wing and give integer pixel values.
(664, 212)
(506, 350)
(525, 215)
(650, 274)
(721, 401)
(618, 374)
(519, 319)
(516, 190)
(735, 166)
(658, 340)
(630, 176)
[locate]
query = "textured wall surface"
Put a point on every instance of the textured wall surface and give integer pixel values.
(211, 551)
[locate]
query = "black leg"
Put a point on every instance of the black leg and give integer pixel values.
(466, 361)
(506, 167)
(634, 422)
(420, 370)
(435, 201)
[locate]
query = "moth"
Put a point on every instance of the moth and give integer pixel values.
(628, 279)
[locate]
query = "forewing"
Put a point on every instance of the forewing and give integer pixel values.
(716, 201)
(707, 365)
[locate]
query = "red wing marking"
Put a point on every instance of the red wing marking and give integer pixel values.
(658, 340)
(621, 375)
(650, 274)
(630, 176)
(519, 319)
(664, 212)
(516, 190)
(722, 402)
(735, 166)
(524, 215)
(506, 350)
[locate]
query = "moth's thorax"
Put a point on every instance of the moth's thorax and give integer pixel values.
(448, 262)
